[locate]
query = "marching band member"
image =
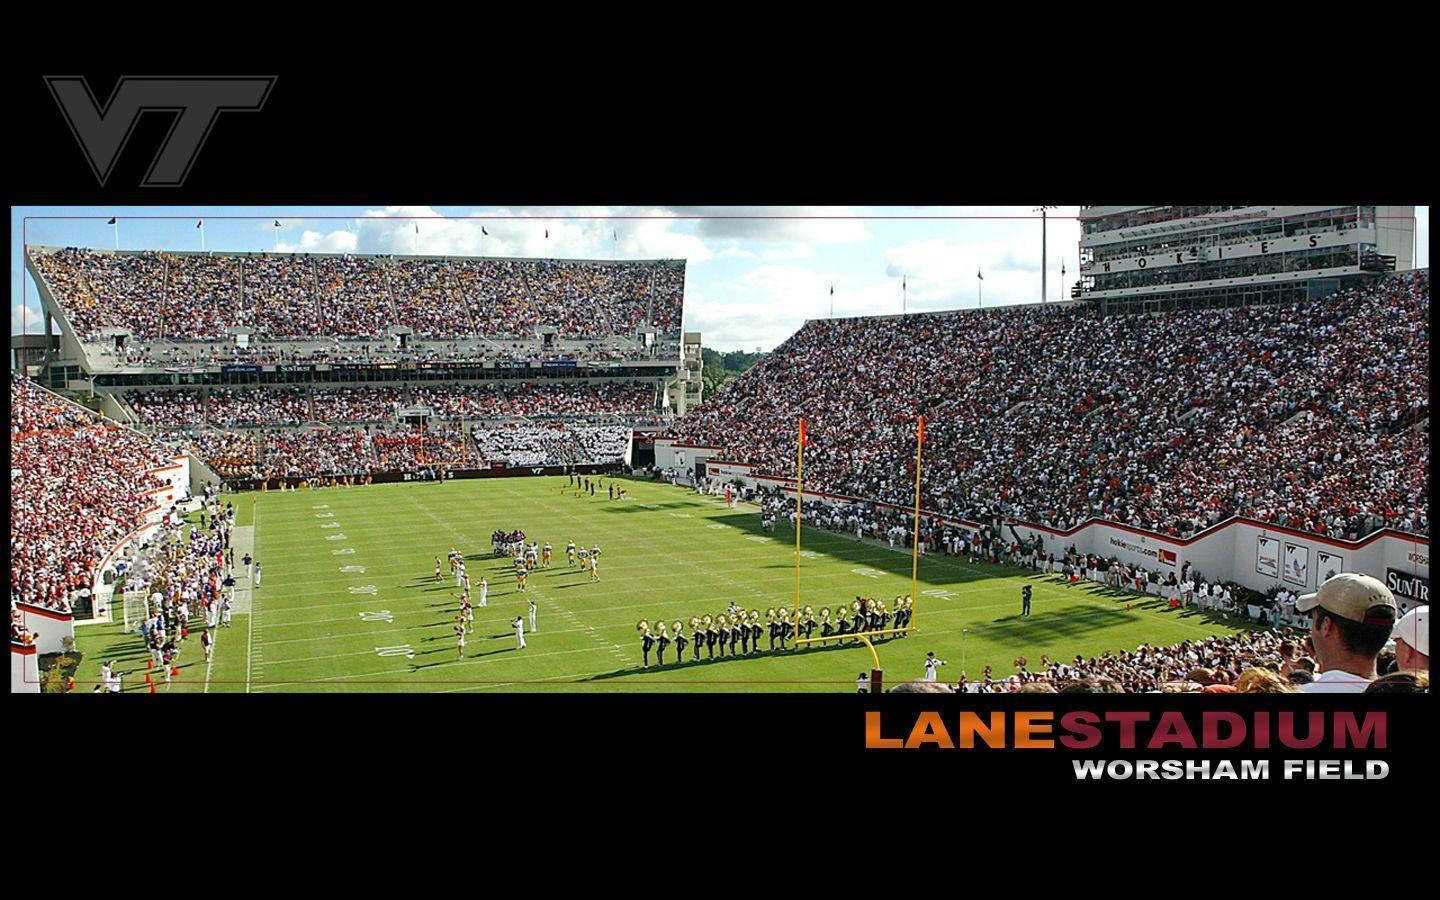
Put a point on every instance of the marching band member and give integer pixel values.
(647, 641)
(680, 641)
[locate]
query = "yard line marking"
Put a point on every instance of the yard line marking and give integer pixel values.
(1088, 598)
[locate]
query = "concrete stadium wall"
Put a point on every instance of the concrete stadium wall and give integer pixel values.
(50, 627)
(24, 669)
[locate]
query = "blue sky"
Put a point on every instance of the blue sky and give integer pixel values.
(755, 274)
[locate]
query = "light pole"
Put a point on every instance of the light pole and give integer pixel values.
(1041, 210)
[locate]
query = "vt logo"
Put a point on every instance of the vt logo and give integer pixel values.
(196, 103)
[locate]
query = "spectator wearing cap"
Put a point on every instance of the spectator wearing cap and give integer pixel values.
(1405, 682)
(1412, 640)
(1351, 617)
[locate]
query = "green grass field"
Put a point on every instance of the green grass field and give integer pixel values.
(667, 553)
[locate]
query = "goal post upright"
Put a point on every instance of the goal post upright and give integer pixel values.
(915, 549)
(799, 515)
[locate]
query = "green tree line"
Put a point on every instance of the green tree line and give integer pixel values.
(723, 368)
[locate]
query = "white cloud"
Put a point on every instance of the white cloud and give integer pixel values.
(316, 242)
(757, 309)
(777, 224)
(574, 233)
(27, 316)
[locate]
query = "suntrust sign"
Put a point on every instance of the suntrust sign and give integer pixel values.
(1408, 585)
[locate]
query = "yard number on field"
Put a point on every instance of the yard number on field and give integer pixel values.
(398, 650)
(383, 615)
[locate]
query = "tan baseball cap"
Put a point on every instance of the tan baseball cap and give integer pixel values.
(1350, 595)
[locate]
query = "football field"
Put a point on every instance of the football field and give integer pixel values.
(349, 602)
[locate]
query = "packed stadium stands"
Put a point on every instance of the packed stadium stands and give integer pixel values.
(552, 445)
(198, 298)
(1248, 662)
(77, 486)
(1310, 415)
(208, 423)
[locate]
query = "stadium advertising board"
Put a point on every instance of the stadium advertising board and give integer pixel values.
(1138, 547)
(727, 471)
(1406, 585)
(1327, 566)
(1267, 557)
(1297, 564)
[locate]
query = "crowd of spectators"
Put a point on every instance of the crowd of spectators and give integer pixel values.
(531, 399)
(354, 297)
(414, 449)
(551, 445)
(232, 454)
(1310, 415)
(162, 296)
(77, 486)
(241, 407)
(338, 450)
(1258, 661)
(264, 406)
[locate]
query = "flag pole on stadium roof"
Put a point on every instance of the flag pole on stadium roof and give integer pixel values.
(115, 223)
(832, 299)
(1044, 293)
(799, 501)
(915, 555)
(200, 225)
(979, 288)
(1062, 278)
(277, 235)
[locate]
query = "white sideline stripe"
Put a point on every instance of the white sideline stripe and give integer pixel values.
(486, 687)
(250, 620)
